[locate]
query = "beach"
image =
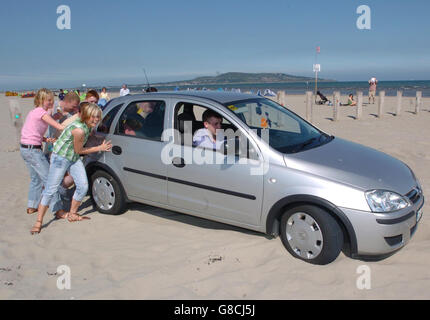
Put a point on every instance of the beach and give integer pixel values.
(151, 253)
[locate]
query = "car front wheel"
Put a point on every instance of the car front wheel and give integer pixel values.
(106, 194)
(311, 234)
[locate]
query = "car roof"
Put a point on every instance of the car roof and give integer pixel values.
(221, 97)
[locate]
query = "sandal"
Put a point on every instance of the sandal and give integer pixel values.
(61, 214)
(35, 229)
(72, 217)
(31, 210)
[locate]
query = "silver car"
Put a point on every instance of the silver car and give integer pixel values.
(269, 171)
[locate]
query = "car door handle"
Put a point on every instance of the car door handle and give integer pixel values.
(178, 162)
(116, 150)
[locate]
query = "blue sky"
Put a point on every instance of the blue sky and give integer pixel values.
(111, 41)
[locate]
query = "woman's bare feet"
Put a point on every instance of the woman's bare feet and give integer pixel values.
(72, 217)
(31, 210)
(37, 227)
(61, 214)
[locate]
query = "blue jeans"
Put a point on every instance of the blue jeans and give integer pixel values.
(38, 166)
(59, 166)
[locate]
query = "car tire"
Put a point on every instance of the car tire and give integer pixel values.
(311, 234)
(106, 194)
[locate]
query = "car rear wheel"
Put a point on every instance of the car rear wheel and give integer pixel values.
(311, 234)
(106, 194)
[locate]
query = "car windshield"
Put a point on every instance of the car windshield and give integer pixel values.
(287, 132)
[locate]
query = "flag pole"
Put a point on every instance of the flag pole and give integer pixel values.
(316, 85)
(316, 72)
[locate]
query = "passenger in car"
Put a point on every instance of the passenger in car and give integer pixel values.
(151, 119)
(131, 126)
(145, 108)
(207, 136)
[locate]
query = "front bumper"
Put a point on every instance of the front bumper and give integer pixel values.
(381, 234)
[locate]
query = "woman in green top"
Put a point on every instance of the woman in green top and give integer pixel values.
(66, 158)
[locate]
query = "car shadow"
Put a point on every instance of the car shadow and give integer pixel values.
(191, 220)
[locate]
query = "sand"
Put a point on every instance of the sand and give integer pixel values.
(150, 253)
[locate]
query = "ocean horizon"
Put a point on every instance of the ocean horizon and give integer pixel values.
(408, 87)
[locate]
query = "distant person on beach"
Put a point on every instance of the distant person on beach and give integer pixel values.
(207, 137)
(372, 89)
(124, 91)
(150, 89)
(351, 101)
(66, 158)
(104, 94)
(104, 97)
(32, 136)
(61, 95)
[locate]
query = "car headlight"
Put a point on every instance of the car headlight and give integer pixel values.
(386, 201)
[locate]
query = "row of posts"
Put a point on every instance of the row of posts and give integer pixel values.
(281, 98)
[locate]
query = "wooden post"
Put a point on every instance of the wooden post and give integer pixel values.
(336, 102)
(399, 103)
(381, 104)
(418, 102)
(309, 106)
(359, 113)
(316, 85)
(284, 98)
(280, 98)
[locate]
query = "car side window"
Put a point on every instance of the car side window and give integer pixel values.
(142, 119)
(104, 126)
(191, 130)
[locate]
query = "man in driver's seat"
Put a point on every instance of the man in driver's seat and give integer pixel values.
(207, 136)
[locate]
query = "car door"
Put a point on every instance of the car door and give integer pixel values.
(136, 149)
(224, 188)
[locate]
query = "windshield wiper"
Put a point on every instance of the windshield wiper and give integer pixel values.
(304, 144)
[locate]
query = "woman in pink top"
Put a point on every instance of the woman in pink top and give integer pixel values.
(32, 136)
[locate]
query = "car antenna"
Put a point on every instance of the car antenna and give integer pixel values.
(147, 82)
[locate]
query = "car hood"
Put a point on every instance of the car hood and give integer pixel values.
(355, 165)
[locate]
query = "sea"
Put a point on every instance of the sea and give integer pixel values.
(409, 88)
